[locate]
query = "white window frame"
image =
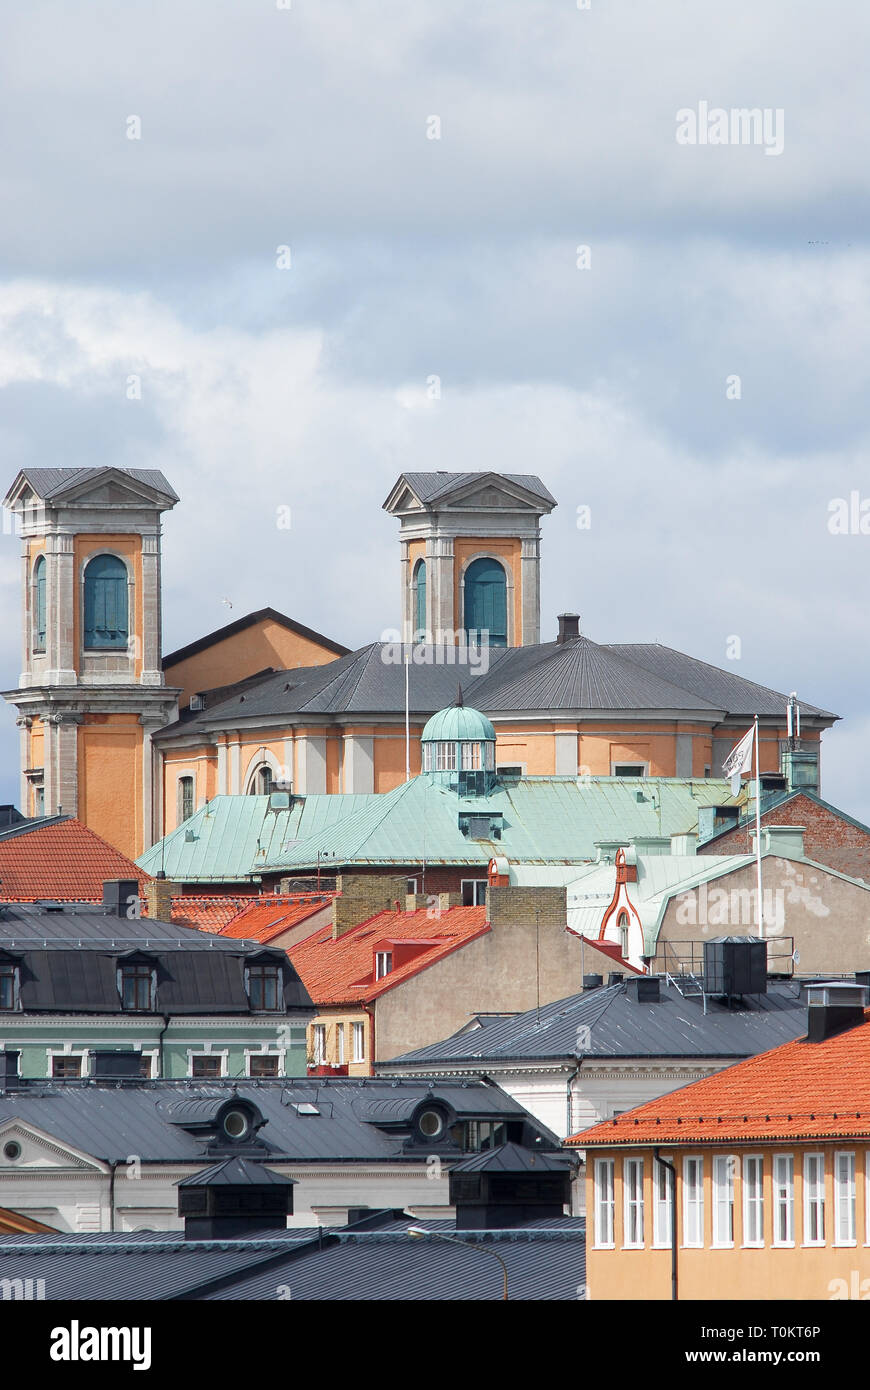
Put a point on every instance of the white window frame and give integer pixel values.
(383, 964)
(724, 1166)
(318, 1044)
(693, 1205)
(264, 1052)
(632, 1204)
(68, 1051)
(478, 886)
(629, 762)
(753, 1201)
(221, 1052)
(845, 1199)
(867, 1195)
(605, 1203)
(783, 1199)
(813, 1196)
(340, 1050)
(358, 1042)
(662, 1207)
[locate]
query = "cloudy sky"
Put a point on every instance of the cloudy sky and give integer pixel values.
(309, 125)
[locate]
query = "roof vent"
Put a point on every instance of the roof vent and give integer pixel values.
(569, 628)
(234, 1198)
(735, 965)
(645, 989)
(509, 1186)
(593, 981)
(117, 893)
(111, 1064)
(615, 977)
(833, 1008)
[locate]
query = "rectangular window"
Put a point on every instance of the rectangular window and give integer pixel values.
(723, 1200)
(473, 892)
(844, 1198)
(693, 1201)
(753, 1200)
(632, 1194)
(814, 1199)
(7, 987)
(339, 1039)
(445, 757)
(319, 1042)
(66, 1068)
(264, 987)
(383, 964)
(136, 987)
(205, 1066)
(604, 1203)
(185, 792)
(662, 1207)
(411, 886)
(146, 1066)
(470, 756)
(263, 1064)
(628, 769)
(359, 1042)
(783, 1199)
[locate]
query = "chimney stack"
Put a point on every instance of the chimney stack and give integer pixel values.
(569, 628)
(833, 1007)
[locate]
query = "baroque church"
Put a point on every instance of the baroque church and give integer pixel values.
(133, 741)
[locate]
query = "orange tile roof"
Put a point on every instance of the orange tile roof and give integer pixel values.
(208, 912)
(64, 861)
(801, 1090)
(268, 917)
(342, 971)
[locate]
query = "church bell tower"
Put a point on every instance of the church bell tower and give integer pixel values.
(470, 556)
(91, 691)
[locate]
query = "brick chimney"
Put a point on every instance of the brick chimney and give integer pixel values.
(159, 893)
(522, 907)
(361, 896)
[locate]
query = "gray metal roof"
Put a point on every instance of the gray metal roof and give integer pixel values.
(48, 483)
(109, 1122)
(68, 961)
(432, 487)
(620, 1026)
(371, 1260)
(724, 688)
(579, 675)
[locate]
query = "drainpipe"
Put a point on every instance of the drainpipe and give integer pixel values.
(371, 1013)
(673, 1185)
(112, 1167)
(160, 1037)
(571, 1079)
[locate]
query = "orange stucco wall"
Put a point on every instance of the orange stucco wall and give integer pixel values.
(766, 1272)
(110, 791)
(267, 643)
(330, 1018)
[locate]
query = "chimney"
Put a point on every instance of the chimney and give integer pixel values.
(117, 893)
(511, 906)
(159, 893)
(644, 989)
(833, 1008)
(509, 1186)
(592, 982)
(361, 896)
(569, 628)
(785, 840)
(685, 845)
(235, 1198)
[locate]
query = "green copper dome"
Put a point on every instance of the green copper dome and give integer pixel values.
(457, 723)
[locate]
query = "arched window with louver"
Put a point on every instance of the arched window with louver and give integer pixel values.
(420, 601)
(486, 601)
(106, 616)
(39, 604)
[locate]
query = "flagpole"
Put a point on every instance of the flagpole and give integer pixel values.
(759, 913)
(407, 717)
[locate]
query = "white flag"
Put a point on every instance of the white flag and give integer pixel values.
(739, 760)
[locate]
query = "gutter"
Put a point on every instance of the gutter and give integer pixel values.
(673, 1186)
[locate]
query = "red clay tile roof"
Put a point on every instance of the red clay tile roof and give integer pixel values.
(800, 1090)
(268, 917)
(66, 861)
(208, 913)
(342, 971)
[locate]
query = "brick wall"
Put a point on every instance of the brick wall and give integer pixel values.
(360, 896)
(829, 839)
(522, 907)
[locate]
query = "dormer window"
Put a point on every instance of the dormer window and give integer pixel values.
(622, 928)
(8, 987)
(137, 986)
(383, 964)
(265, 988)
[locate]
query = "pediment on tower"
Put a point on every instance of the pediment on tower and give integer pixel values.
(91, 487)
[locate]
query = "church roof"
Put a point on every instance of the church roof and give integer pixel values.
(579, 675)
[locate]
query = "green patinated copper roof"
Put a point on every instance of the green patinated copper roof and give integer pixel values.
(457, 722)
(544, 820)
